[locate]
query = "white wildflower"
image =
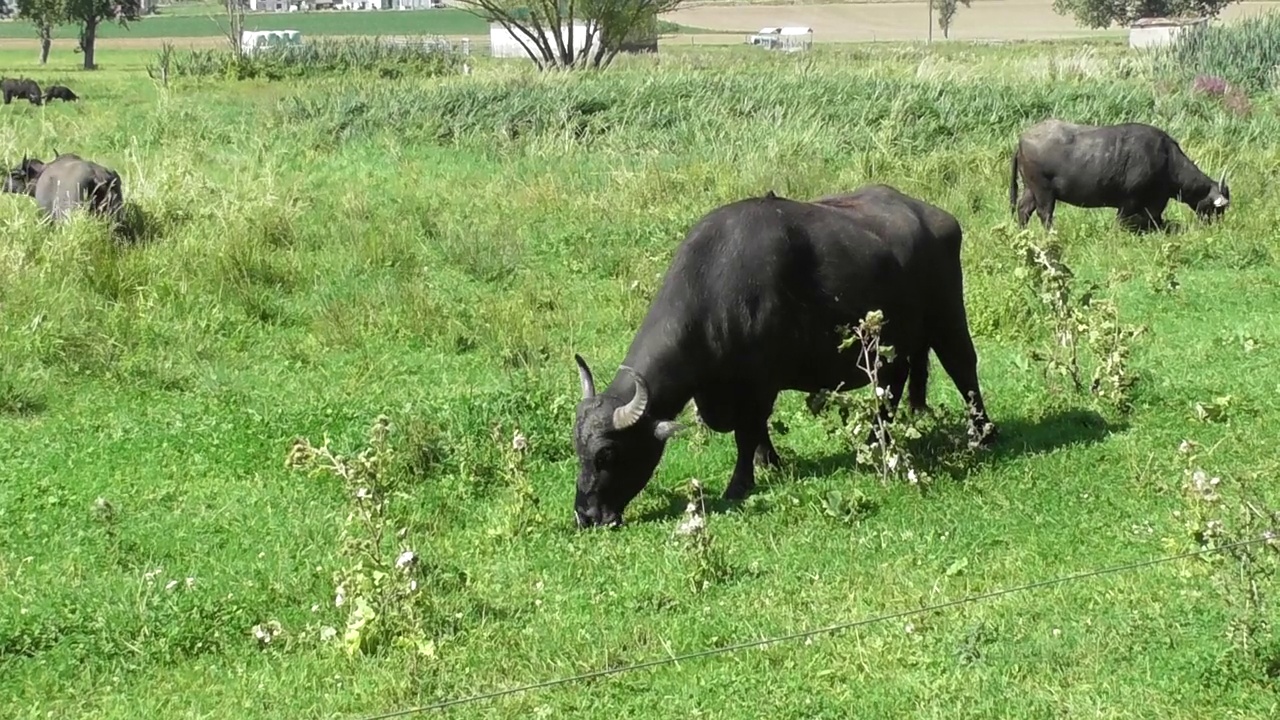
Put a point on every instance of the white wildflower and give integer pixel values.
(327, 633)
(169, 586)
(266, 633)
(691, 524)
(191, 582)
(518, 442)
(406, 559)
(340, 596)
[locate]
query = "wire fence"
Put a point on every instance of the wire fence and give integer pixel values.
(829, 629)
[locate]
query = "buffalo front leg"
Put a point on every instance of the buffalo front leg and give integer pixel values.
(751, 435)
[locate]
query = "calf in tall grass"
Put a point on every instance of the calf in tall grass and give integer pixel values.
(1133, 167)
(60, 92)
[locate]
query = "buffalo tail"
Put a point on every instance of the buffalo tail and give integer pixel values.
(1013, 181)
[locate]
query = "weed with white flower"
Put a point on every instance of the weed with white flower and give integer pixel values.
(381, 588)
(707, 563)
(1080, 320)
(1219, 515)
(872, 415)
(522, 512)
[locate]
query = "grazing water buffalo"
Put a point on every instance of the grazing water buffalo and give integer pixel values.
(750, 306)
(21, 88)
(1132, 167)
(67, 182)
(60, 92)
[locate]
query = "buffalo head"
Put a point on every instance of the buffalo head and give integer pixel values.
(1216, 202)
(618, 448)
(22, 179)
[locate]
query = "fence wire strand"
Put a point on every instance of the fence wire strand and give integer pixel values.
(674, 659)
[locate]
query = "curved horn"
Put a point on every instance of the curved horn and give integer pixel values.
(584, 375)
(629, 414)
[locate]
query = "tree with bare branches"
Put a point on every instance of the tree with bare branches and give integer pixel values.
(546, 29)
(44, 14)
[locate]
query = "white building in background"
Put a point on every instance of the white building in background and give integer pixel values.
(253, 40)
(786, 39)
(1159, 32)
(503, 43)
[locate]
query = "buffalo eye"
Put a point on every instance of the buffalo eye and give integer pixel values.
(604, 456)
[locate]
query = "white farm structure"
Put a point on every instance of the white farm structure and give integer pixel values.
(503, 43)
(1159, 32)
(252, 41)
(308, 5)
(785, 39)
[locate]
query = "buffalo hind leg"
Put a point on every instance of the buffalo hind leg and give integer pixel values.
(751, 435)
(1026, 206)
(1045, 203)
(959, 359)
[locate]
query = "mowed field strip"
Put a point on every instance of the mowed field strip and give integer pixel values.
(851, 22)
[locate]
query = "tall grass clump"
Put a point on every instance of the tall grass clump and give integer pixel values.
(1246, 53)
(422, 58)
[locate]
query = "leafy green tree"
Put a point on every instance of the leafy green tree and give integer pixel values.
(1100, 14)
(44, 14)
(92, 13)
(947, 12)
(545, 28)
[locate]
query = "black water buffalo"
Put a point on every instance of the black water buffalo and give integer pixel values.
(751, 306)
(67, 182)
(21, 88)
(1132, 167)
(60, 92)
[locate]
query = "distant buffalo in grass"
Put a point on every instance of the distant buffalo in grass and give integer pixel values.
(1133, 167)
(21, 88)
(68, 182)
(60, 92)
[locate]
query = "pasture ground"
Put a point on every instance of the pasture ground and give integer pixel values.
(436, 250)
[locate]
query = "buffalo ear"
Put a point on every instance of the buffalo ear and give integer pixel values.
(665, 429)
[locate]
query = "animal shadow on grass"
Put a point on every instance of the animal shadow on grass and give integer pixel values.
(135, 226)
(940, 450)
(935, 452)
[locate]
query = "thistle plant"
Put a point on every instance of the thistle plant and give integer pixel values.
(381, 585)
(871, 416)
(1079, 320)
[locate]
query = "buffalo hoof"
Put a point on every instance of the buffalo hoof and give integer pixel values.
(767, 457)
(984, 438)
(737, 491)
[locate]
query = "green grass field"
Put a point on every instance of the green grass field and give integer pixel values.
(445, 21)
(436, 250)
(203, 20)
